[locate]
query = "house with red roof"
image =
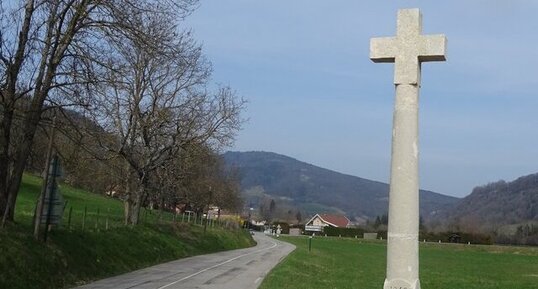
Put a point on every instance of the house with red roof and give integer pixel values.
(319, 221)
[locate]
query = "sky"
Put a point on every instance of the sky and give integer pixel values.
(313, 93)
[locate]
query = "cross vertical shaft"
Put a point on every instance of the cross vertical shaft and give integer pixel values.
(407, 50)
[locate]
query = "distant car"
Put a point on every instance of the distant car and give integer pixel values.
(251, 232)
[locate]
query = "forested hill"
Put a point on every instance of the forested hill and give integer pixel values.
(313, 189)
(499, 203)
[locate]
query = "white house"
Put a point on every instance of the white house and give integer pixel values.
(319, 221)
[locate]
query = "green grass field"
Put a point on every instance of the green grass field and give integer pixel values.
(98, 208)
(74, 256)
(349, 263)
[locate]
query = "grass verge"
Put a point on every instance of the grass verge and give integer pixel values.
(348, 263)
(73, 257)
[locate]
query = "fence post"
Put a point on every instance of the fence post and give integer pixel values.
(97, 220)
(107, 216)
(84, 218)
(69, 218)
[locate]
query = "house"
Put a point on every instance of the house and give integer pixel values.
(319, 221)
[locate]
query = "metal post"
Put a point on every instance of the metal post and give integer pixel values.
(52, 189)
(84, 218)
(69, 218)
(40, 203)
(107, 216)
(97, 220)
(310, 244)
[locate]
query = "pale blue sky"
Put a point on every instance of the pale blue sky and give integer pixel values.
(314, 94)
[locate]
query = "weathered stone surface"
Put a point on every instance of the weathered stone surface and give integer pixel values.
(407, 50)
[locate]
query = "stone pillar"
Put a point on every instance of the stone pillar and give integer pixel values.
(402, 242)
(407, 50)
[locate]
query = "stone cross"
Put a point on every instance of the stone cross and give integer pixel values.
(407, 50)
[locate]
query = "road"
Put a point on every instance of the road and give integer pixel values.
(236, 269)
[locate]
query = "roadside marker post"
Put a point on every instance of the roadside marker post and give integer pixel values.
(84, 218)
(69, 218)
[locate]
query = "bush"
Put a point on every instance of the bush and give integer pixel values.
(445, 237)
(344, 232)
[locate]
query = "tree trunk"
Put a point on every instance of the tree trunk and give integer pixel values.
(132, 208)
(5, 132)
(3, 202)
(4, 160)
(8, 102)
(52, 54)
(22, 152)
(137, 204)
(128, 192)
(161, 209)
(127, 210)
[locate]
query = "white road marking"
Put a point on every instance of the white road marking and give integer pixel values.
(218, 265)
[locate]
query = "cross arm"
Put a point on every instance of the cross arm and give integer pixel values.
(432, 48)
(383, 49)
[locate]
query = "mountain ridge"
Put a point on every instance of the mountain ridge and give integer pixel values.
(312, 188)
(496, 204)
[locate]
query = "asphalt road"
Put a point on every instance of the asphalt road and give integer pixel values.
(237, 269)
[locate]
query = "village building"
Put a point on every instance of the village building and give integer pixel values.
(320, 221)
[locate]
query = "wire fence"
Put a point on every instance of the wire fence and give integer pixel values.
(95, 218)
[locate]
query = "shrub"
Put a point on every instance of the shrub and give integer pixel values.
(344, 232)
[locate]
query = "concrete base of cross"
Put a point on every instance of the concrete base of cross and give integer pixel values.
(401, 284)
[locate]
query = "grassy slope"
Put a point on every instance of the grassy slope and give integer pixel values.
(76, 256)
(348, 263)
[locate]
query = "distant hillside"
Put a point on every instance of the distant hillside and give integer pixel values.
(314, 189)
(499, 203)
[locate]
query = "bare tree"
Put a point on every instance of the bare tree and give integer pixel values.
(50, 50)
(203, 169)
(156, 103)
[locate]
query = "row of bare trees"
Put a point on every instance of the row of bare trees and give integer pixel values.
(131, 89)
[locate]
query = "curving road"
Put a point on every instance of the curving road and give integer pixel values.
(237, 269)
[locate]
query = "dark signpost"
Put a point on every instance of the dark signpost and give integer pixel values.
(53, 204)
